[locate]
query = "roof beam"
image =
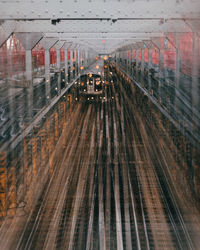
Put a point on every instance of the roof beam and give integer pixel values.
(98, 9)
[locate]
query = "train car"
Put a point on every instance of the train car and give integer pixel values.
(91, 83)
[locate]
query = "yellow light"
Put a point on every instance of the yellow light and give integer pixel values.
(98, 82)
(82, 83)
(81, 67)
(97, 66)
(90, 74)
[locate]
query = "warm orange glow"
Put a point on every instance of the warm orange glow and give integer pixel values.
(98, 82)
(97, 66)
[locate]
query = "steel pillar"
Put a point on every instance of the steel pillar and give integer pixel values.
(195, 72)
(66, 47)
(29, 65)
(47, 73)
(142, 61)
(47, 44)
(86, 58)
(149, 67)
(58, 46)
(58, 58)
(178, 61)
(66, 65)
(136, 61)
(71, 64)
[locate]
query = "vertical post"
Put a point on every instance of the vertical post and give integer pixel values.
(195, 71)
(177, 72)
(128, 58)
(149, 67)
(71, 64)
(178, 61)
(132, 60)
(79, 59)
(149, 58)
(136, 61)
(142, 61)
(86, 59)
(58, 58)
(58, 66)
(29, 67)
(161, 59)
(195, 103)
(161, 69)
(47, 75)
(74, 64)
(66, 65)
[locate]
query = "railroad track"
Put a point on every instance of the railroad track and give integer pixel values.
(107, 191)
(162, 209)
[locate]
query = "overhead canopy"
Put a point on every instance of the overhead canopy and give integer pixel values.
(103, 25)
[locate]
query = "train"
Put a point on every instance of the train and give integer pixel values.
(91, 83)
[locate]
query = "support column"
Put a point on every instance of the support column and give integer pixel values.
(66, 65)
(161, 70)
(58, 47)
(136, 61)
(79, 60)
(47, 43)
(58, 58)
(29, 65)
(142, 61)
(178, 62)
(150, 58)
(47, 74)
(177, 74)
(75, 63)
(86, 59)
(66, 46)
(59, 69)
(195, 73)
(149, 67)
(131, 63)
(71, 65)
(161, 63)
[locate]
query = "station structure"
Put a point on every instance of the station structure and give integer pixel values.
(45, 45)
